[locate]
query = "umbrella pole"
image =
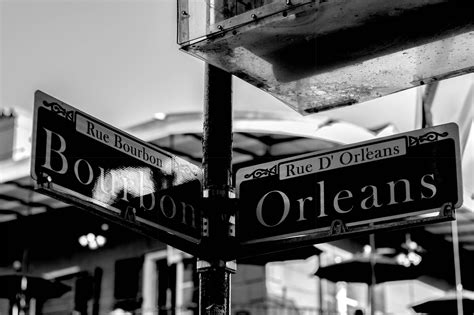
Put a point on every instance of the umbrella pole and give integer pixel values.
(371, 301)
(370, 295)
(320, 290)
(457, 267)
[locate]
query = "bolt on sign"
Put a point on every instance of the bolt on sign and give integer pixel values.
(86, 162)
(386, 183)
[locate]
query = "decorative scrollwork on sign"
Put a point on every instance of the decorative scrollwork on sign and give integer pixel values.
(427, 137)
(61, 111)
(187, 169)
(261, 172)
(184, 168)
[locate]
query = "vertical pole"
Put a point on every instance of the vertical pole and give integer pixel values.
(457, 268)
(373, 279)
(320, 290)
(217, 136)
(214, 272)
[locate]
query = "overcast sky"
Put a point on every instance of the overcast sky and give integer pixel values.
(118, 60)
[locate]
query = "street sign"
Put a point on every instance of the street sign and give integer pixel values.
(385, 183)
(102, 169)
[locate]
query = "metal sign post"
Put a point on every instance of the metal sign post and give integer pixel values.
(218, 216)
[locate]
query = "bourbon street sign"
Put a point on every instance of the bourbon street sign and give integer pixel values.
(379, 184)
(91, 164)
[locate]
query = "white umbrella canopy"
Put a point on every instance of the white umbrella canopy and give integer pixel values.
(257, 121)
(257, 134)
(359, 269)
(447, 304)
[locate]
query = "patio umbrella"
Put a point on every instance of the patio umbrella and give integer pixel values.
(293, 254)
(358, 269)
(32, 286)
(370, 269)
(447, 304)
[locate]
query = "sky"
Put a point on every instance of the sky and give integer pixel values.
(118, 60)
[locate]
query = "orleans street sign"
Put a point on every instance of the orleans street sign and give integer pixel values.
(91, 164)
(387, 182)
